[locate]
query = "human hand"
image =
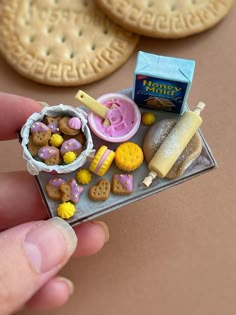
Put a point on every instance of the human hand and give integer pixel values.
(32, 248)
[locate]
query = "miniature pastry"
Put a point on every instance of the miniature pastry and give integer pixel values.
(66, 210)
(122, 184)
(65, 128)
(128, 156)
(65, 192)
(74, 123)
(102, 161)
(56, 140)
(84, 176)
(100, 191)
(40, 133)
(148, 118)
(174, 144)
(69, 157)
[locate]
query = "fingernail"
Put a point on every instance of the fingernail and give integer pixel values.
(43, 104)
(68, 283)
(49, 244)
(105, 229)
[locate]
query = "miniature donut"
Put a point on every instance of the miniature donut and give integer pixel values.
(154, 137)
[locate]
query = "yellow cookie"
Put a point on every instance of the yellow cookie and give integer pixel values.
(129, 156)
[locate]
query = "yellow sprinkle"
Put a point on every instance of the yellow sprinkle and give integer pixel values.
(148, 118)
(56, 140)
(69, 157)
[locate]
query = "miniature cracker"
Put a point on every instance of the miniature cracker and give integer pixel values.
(62, 43)
(128, 156)
(166, 19)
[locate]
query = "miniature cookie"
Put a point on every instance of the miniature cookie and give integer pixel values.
(59, 189)
(102, 161)
(50, 155)
(32, 147)
(75, 190)
(71, 145)
(128, 156)
(65, 192)
(166, 19)
(122, 184)
(52, 123)
(40, 133)
(65, 128)
(62, 43)
(79, 137)
(66, 210)
(100, 191)
(154, 137)
(53, 188)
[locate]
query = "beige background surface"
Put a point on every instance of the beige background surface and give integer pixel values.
(174, 252)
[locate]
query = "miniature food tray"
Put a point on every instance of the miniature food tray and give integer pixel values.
(87, 209)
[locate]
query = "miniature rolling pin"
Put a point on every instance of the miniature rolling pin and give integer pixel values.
(174, 144)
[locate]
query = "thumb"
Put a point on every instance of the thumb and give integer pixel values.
(31, 254)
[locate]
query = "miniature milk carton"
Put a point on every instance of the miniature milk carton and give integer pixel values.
(162, 83)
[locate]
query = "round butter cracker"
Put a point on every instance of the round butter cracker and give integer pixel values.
(62, 43)
(166, 18)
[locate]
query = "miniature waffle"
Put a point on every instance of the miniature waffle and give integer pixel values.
(62, 43)
(166, 19)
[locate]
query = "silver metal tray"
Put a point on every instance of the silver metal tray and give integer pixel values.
(87, 209)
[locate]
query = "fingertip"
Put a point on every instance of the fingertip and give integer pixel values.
(91, 237)
(53, 294)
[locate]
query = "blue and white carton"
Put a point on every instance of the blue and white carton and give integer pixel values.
(161, 82)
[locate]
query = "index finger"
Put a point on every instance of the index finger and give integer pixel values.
(14, 112)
